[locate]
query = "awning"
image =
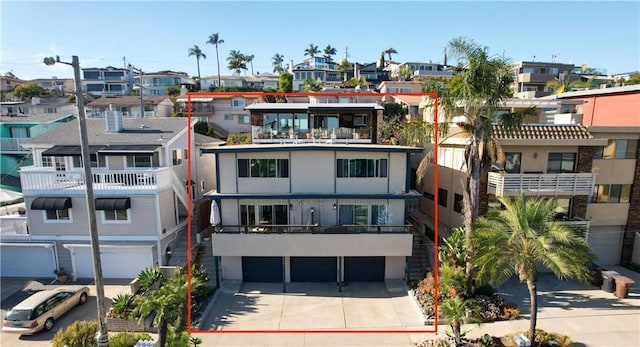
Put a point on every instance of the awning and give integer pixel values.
(51, 204)
(113, 204)
(127, 149)
(73, 151)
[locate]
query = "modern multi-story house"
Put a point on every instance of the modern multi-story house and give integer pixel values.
(421, 69)
(54, 84)
(130, 106)
(413, 105)
(316, 68)
(21, 121)
(530, 78)
(329, 210)
(7, 84)
(265, 81)
(107, 81)
(139, 174)
(156, 83)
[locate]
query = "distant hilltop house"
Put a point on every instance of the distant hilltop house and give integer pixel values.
(130, 106)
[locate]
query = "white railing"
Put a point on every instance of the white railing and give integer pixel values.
(13, 225)
(131, 114)
(47, 181)
(561, 184)
(10, 144)
(335, 135)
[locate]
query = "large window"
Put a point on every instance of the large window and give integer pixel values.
(458, 203)
(96, 161)
(115, 216)
(60, 216)
(263, 168)
(512, 162)
(611, 193)
(57, 162)
(617, 149)
(443, 197)
(143, 160)
(237, 103)
(275, 214)
(561, 162)
(362, 168)
(363, 215)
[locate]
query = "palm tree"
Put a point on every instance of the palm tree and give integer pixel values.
(249, 59)
(215, 40)
(195, 51)
(312, 50)
(236, 61)
(456, 312)
(522, 236)
(277, 59)
(389, 52)
(329, 51)
(475, 92)
(567, 84)
(312, 85)
(344, 66)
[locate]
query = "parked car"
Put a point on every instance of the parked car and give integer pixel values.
(40, 310)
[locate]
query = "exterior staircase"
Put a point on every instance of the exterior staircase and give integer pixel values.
(205, 248)
(421, 259)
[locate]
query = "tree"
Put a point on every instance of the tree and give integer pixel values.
(344, 66)
(312, 85)
(329, 51)
(475, 93)
(28, 90)
(312, 50)
(215, 40)
(236, 61)
(567, 84)
(285, 82)
(389, 52)
(522, 236)
(195, 51)
(277, 59)
(173, 91)
(457, 311)
(249, 59)
(9, 74)
(634, 79)
(405, 72)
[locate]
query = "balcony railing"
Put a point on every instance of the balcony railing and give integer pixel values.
(337, 135)
(9, 144)
(13, 225)
(311, 229)
(47, 181)
(127, 114)
(561, 184)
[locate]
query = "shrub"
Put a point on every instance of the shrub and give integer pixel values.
(127, 339)
(543, 338)
(78, 334)
(510, 312)
(239, 139)
(122, 305)
(148, 277)
(201, 128)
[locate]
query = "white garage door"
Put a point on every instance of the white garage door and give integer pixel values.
(606, 243)
(117, 262)
(27, 261)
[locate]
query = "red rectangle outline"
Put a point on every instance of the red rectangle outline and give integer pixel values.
(311, 331)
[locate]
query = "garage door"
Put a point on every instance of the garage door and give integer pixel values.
(314, 269)
(117, 262)
(262, 269)
(606, 243)
(27, 261)
(364, 269)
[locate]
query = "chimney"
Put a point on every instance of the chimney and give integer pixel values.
(183, 90)
(291, 66)
(113, 120)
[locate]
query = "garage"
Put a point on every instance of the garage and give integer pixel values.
(27, 260)
(364, 269)
(314, 269)
(262, 269)
(117, 261)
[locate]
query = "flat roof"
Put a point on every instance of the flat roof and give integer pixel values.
(304, 105)
(293, 147)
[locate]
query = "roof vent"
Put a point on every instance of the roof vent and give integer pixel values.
(113, 120)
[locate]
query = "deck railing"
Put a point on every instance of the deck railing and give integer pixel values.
(560, 184)
(12, 144)
(13, 225)
(311, 229)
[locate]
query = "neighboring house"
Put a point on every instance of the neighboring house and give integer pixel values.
(421, 69)
(530, 78)
(129, 106)
(7, 85)
(373, 73)
(61, 85)
(226, 114)
(140, 186)
(107, 81)
(156, 83)
(414, 105)
(235, 80)
(264, 81)
(315, 68)
(21, 121)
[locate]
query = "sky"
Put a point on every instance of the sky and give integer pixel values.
(156, 35)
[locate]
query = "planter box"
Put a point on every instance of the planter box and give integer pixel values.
(119, 324)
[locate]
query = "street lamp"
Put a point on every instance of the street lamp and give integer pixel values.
(103, 334)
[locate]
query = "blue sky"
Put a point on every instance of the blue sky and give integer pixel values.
(157, 35)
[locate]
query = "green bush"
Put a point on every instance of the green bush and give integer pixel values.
(122, 305)
(127, 339)
(148, 277)
(239, 139)
(201, 128)
(78, 334)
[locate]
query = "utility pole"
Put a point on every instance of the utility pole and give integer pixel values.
(103, 333)
(139, 85)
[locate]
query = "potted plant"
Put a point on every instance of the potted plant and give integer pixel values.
(61, 276)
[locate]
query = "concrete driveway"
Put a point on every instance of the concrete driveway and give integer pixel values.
(314, 306)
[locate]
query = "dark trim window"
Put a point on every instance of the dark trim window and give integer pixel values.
(611, 193)
(512, 162)
(561, 162)
(428, 195)
(361, 168)
(442, 197)
(96, 161)
(264, 168)
(457, 203)
(363, 215)
(143, 160)
(264, 214)
(617, 149)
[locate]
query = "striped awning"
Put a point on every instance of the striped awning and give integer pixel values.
(112, 204)
(51, 203)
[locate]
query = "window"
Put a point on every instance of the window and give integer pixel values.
(611, 193)
(512, 162)
(178, 155)
(59, 216)
(442, 197)
(115, 216)
(363, 215)
(561, 162)
(50, 110)
(272, 214)
(428, 195)
(237, 103)
(617, 149)
(362, 168)
(457, 202)
(57, 162)
(228, 117)
(242, 119)
(143, 160)
(263, 168)
(96, 161)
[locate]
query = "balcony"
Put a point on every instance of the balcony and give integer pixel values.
(319, 135)
(44, 181)
(561, 184)
(128, 114)
(535, 77)
(313, 240)
(12, 145)
(13, 225)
